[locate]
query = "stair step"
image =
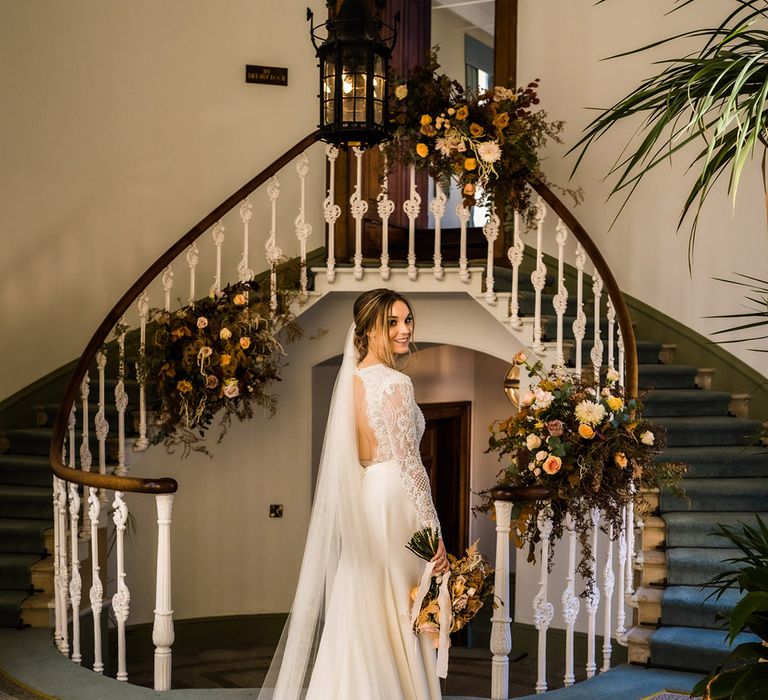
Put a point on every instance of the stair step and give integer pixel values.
(719, 461)
(718, 495)
(15, 573)
(691, 606)
(37, 441)
(25, 470)
(42, 573)
(46, 414)
(658, 376)
(37, 610)
(709, 430)
(25, 502)
(686, 402)
(692, 648)
(10, 607)
(694, 566)
(23, 535)
(697, 529)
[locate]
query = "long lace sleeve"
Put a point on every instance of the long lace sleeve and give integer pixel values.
(399, 417)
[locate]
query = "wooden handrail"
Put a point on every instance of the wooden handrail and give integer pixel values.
(614, 292)
(131, 483)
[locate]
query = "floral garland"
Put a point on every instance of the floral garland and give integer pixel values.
(592, 450)
(488, 143)
(220, 354)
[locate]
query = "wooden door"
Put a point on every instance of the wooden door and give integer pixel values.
(445, 453)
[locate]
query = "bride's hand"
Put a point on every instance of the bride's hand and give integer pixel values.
(441, 560)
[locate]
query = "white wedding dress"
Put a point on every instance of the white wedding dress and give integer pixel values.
(397, 502)
(349, 634)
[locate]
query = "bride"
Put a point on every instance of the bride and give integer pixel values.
(349, 634)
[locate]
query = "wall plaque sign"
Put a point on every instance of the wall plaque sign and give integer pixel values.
(266, 75)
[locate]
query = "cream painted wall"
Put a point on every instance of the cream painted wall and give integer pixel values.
(563, 43)
(229, 557)
(123, 125)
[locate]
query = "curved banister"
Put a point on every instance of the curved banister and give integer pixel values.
(131, 483)
(614, 292)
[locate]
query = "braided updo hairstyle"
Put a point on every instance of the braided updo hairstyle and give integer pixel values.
(371, 312)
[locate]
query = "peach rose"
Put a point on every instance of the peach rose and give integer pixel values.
(202, 322)
(422, 150)
(239, 299)
(470, 164)
(620, 459)
(225, 360)
(552, 464)
(245, 342)
(225, 333)
(586, 431)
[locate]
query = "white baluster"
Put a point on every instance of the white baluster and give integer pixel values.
(543, 610)
(71, 431)
(96, 595)
(358, 206)
(86, 459)
(331, 210)
(620, 343)
(491, 233)
(63, 565)
(75, 583)
(385, 207)
(244, 272)
(273, 251)
(167, 279)
(412, 208)
(593, 597)
(121, 399)
(121, 600)
(437, 207)
(501, 634)
(629, 584)
(539, 275)
(60, 609)
(217, 233)
(102, 426)
(302, 228)
(192, 259)
(162, 630)
(608, 583)
(141, 442)
(620, 630)
(580, 324)
(463, 213)
(611, 316)
(596, 355)
(515, 255)
(571, 603)
(560, 301)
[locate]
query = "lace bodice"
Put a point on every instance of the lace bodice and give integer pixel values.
(398, 425)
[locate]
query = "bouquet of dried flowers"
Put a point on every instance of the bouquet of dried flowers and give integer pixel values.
(592, 449)
(470, 585)
(488, 143)
(218, 355)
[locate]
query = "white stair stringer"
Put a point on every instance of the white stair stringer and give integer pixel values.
(344, 281)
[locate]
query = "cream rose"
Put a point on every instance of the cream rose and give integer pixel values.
(225, 333)
(202, 322)
(533, 442)
(647, 438)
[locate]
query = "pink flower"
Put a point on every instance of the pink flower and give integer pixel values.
(230, 389)
(555, 427)
(202, 322)
(553, 464)
(211, 382)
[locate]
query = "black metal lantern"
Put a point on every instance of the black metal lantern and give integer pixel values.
(354, 63)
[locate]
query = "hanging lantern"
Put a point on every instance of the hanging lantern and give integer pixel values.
(354, 63)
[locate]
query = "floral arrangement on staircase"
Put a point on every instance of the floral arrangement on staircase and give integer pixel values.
(219, 355)
(591, 450)
(487, 142)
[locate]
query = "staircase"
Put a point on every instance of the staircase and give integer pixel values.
(727, 482)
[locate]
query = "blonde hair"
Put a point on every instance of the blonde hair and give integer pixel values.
(371, 312)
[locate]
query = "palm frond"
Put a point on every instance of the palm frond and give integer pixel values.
(717, 96)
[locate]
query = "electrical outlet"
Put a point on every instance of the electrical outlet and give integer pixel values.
(276, 510)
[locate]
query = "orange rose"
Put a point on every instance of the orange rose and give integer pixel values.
(239, 299)
(470, 164)
(552, 464)
(225, 360)
(469, 189)
(502, 120)
(245, 342)
(620, 459)
(425, 119)
(476, 130)
(422, 150)
(586, 431)
(462, 112)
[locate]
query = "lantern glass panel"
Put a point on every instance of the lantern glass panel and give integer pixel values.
(328, 96)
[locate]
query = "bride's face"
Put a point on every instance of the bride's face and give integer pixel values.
(399, 329)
